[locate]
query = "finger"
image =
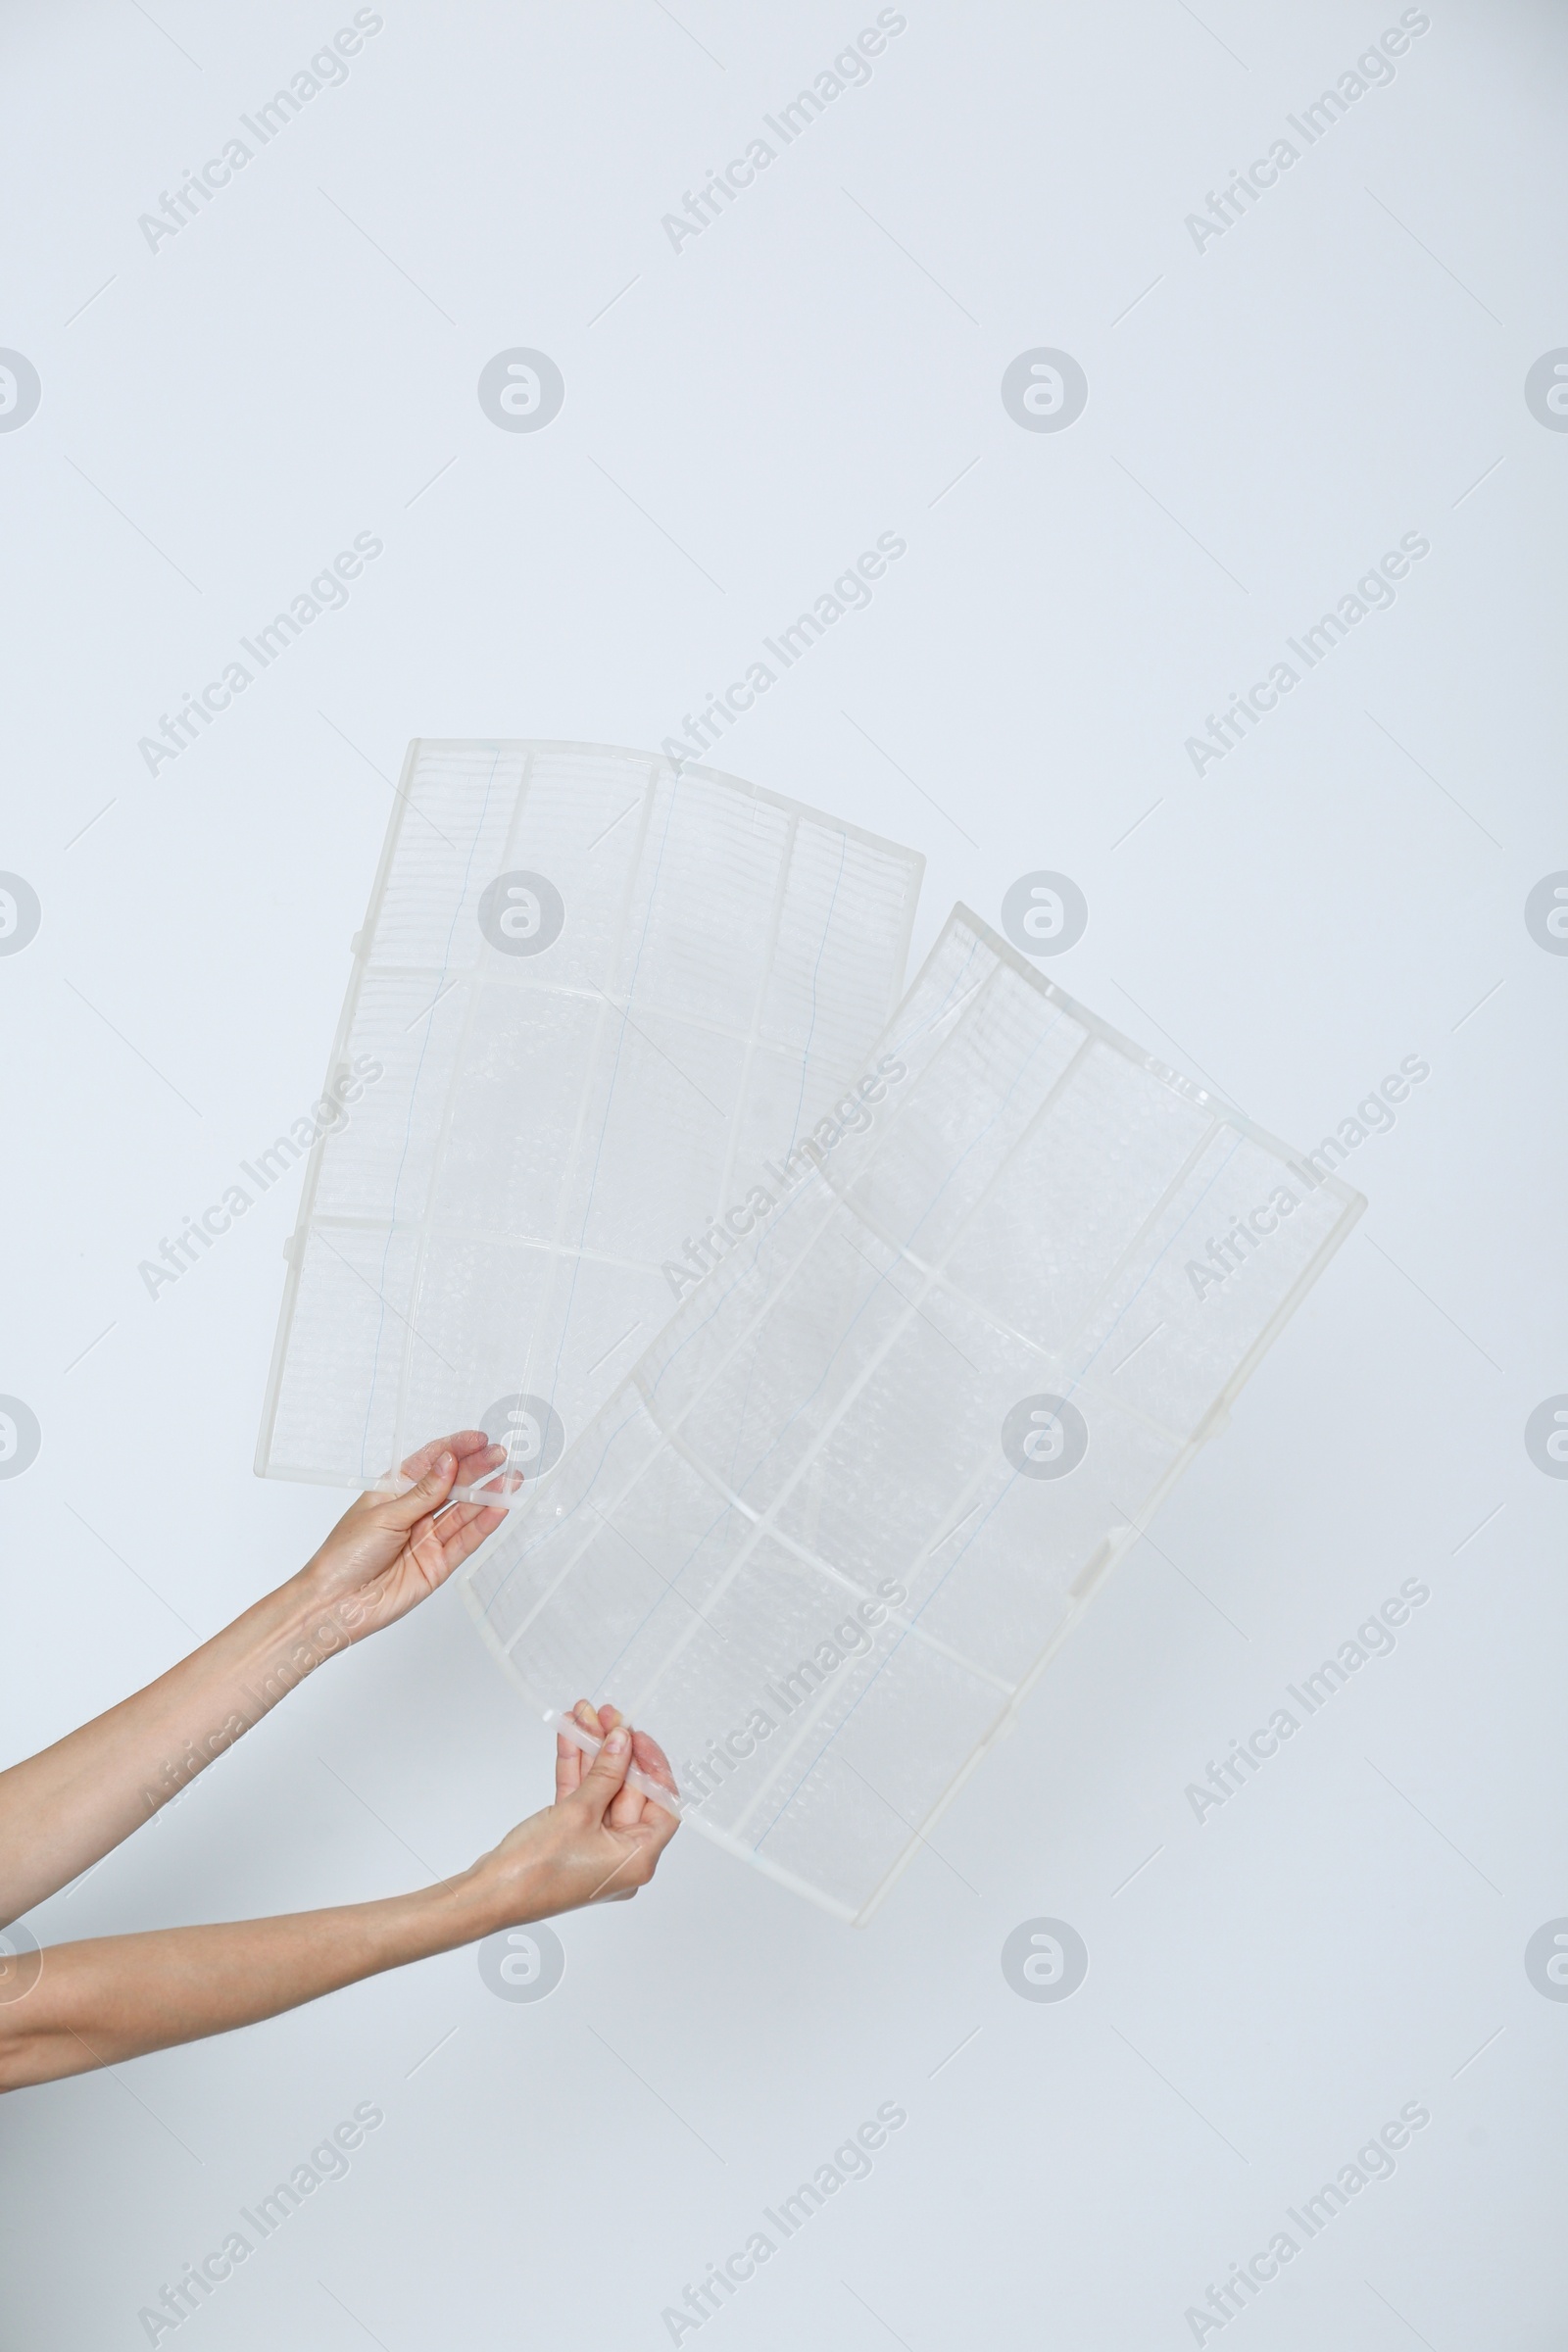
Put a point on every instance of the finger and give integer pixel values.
(497, 1488)
(606, 1775)
(440, 1548)
(586, 1714)
(415, 1468)
(427, 1494)
(650, 1760)
(642, 1848)
(656, 1828)
(487, 1483)
(650, 1757)
(465, 1441)
(462, 1442)
(625, 1808)
(567, 1783)
(462, 1530)
(454, 1518)
(648, 1841)
(569, 1761)
(481, 1466)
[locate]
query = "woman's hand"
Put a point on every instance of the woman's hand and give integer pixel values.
(598, 1842)
(64, 1810)
(390, 1551)
(112, 1998)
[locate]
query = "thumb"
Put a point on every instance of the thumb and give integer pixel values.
(606, 1773)
(424, 1494)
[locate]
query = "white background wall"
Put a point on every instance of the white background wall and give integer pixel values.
(1266, 417)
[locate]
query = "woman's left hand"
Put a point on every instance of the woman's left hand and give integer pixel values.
(388, 1553)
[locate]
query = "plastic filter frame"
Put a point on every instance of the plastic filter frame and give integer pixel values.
(829, 1532)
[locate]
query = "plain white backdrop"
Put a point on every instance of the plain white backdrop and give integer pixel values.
(1268, 411)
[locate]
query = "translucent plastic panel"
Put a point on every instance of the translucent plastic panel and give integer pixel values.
(592, 1001)
(832, 1524)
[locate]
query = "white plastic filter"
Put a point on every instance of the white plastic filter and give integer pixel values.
(831, 1527)
(591, 995)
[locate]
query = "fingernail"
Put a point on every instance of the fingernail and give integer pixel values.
(617, 1744)
(446, 1463)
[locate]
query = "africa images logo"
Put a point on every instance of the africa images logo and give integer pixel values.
(20, 390)
(522, 390)
(21, 912)
(19, 1436)
(1045, 390)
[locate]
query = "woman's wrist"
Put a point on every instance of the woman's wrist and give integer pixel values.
(321, 1614)
(476, 1903)
(508, 1890)
(246, 1670)
(291, 1639)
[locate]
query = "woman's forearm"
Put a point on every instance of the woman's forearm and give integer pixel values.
(116, 1997)
(75, 2006)
(63, 1809)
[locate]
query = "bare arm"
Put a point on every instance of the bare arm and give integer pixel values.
(75, 2006)
(67, 1807)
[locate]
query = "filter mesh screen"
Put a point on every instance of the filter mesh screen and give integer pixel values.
(834, 1521)
(591, 996)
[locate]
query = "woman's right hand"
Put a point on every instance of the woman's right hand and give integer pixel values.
(598, 1842)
